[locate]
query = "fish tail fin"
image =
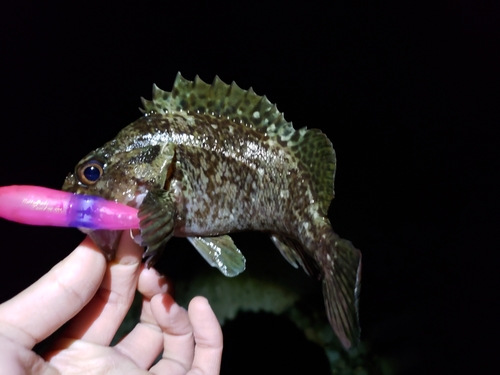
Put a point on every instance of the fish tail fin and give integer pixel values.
(341, 267)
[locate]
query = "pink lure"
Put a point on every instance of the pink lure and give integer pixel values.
(36, 205)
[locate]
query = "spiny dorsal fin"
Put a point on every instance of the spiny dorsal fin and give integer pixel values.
(311, 146)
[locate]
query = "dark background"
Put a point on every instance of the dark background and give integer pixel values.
(408, 94)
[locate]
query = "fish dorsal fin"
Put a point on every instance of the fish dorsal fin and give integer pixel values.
(311, 146)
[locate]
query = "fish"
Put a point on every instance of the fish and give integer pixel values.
(207, 160)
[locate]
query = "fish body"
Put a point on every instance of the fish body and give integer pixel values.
(208, 160)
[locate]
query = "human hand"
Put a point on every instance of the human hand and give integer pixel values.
(94, 296)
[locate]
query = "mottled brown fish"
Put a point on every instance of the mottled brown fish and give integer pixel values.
(207, 160)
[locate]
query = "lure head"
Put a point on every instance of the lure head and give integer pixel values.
(124, 170)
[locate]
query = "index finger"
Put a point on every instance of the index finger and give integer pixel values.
(45, 306)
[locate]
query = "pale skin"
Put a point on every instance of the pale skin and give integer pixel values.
(94, 297)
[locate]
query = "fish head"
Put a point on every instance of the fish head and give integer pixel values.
(124, 170)
(117, 175)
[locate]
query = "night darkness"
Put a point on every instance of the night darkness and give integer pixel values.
(407, 94)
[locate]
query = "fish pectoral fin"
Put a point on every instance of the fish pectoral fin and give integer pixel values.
(220, 252)
(156, 221)
(295, 254)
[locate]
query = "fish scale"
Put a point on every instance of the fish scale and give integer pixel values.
(203, 172)
(206, 160)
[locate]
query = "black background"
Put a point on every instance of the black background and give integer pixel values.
(408, 94)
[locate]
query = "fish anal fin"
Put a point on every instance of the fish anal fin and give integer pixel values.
(221, 253)
(286, 251)
(295, 254)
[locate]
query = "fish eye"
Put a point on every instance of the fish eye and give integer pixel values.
(90, 172)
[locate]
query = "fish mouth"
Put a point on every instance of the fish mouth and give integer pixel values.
(108, 240)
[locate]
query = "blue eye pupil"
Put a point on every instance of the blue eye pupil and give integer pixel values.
(92, 173)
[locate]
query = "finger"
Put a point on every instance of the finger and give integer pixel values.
(16, 359)
(100, 319)
(42, 308)
(145, 342)
(164, 326)
(151, 283)
(207, 337)
(178, 349)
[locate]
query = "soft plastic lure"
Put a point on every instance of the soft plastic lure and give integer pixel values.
(37, 205)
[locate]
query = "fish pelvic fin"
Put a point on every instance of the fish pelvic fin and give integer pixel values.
(311, 147)
(220, 252)
(341, 264)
